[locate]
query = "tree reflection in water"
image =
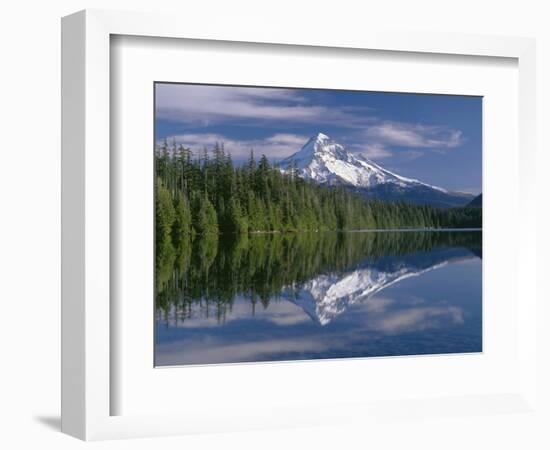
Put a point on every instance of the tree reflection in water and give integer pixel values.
(205, 274)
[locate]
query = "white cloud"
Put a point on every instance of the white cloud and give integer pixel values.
(285, 138)
(216, 104)
(416, 319)
(217, 350)
(274, 147)
(368, 135)
(378, 305)
(413, 135)
(374, 151)
(282, 313)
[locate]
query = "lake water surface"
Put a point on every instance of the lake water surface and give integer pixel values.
(275, 297)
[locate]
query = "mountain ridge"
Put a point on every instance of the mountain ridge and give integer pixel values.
(477, 202)
(327, 162)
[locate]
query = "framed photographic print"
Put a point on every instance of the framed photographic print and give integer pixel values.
(274, 241)
(315, 214)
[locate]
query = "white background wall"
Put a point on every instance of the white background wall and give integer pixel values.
(30, 198)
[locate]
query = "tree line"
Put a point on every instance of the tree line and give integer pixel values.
(209, 194)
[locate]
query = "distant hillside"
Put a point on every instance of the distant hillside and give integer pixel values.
(476, 202)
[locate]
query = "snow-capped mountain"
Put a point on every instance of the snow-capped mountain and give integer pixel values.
(328, 295)
(325, 161)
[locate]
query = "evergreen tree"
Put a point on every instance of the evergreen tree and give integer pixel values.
(182, 224)
(165, 213)
(205, 220)
(207, 195)
(237, 223)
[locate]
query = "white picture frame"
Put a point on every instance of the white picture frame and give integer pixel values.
(87, 328)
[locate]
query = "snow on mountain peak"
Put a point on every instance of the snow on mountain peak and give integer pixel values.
(327, 296)
(330, 294)
(326, 161)
(322, 137)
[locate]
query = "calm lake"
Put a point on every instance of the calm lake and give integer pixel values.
(295, 296)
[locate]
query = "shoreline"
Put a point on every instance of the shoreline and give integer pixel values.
(382, 230)
(367, 230)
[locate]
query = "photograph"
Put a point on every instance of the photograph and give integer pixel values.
(296, 224)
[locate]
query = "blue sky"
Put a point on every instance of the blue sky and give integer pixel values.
(434, 138)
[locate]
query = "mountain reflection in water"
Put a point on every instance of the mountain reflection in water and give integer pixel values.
(272, 297)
